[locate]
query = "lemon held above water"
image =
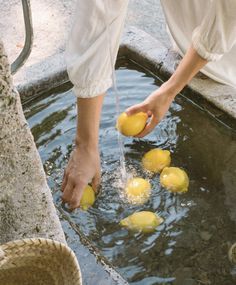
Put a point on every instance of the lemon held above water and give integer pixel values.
(131, 125)
(138, 190)
(88, 198)
(174, 179)
(156, 159)
(143, 221)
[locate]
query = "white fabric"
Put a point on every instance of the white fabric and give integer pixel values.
(97, 30)
(210, 25)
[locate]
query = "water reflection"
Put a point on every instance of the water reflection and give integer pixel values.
(192, 242)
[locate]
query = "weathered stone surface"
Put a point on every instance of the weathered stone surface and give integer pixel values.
(26, 206)
(52, 20)
(42, 77)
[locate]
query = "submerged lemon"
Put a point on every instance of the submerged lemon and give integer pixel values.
(156, 159)
(131, 125)
(174, 179)
(143, 221)
(88, 198)
(138, 190)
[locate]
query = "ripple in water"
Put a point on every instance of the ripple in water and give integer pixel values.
(198, 226)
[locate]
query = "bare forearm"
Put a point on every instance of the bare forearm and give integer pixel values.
(84, 163)
(89, 111)
(159, 101)
(189, 66)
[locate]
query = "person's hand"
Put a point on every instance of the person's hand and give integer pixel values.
(83, 167)
(155, 105)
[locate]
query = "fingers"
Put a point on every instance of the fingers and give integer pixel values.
(72, 194)
(96, 181)
(64, 181)
(149, 127)
(76, 197)
(68, 191)
(142, 107)
(83, 167)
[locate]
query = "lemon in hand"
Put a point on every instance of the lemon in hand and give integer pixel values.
(156, 159)
(174, 179)
(131, 125)
(143, 221)
(88, 198)
(138, 190)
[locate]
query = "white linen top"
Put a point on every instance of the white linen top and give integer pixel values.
(209, 25)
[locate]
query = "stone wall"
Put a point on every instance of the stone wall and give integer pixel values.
(26, 205)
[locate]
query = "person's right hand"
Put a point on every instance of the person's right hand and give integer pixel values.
(83, 167)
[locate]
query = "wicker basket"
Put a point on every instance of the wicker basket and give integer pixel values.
(38, 262)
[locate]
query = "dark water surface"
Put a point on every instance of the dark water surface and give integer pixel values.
(191, 245)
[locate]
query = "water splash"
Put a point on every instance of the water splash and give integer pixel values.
(124, 174)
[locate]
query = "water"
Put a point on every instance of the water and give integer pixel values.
(123, 172)
(191, 245)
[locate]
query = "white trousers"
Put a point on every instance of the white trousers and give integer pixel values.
(210, 25)
(96, 32)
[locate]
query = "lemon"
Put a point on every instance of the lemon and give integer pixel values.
(131, 125)
(138, 190)
(156, 159)
(174, 179)
(143, 221)
(88, 198)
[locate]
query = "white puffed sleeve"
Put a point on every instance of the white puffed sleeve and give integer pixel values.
(97, 30)
(216, 34)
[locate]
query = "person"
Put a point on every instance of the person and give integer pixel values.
(204, 32)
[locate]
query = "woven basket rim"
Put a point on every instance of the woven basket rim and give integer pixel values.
(40, 255)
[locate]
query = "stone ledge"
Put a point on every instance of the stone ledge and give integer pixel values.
(26, 205)
(145, 50)
(162, 61)
(39, 78)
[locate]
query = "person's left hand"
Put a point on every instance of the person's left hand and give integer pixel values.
(155, 105)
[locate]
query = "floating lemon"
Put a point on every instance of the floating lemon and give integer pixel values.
(174, 179)
(144, 221)
(156, 159)
(138, 190)
(88, 198)
(131, 125)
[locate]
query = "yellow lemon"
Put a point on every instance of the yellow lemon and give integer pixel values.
(156, 159)
(88, 198)
(138, 190)
(174, 179)
(143, 221)
(131, 125)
